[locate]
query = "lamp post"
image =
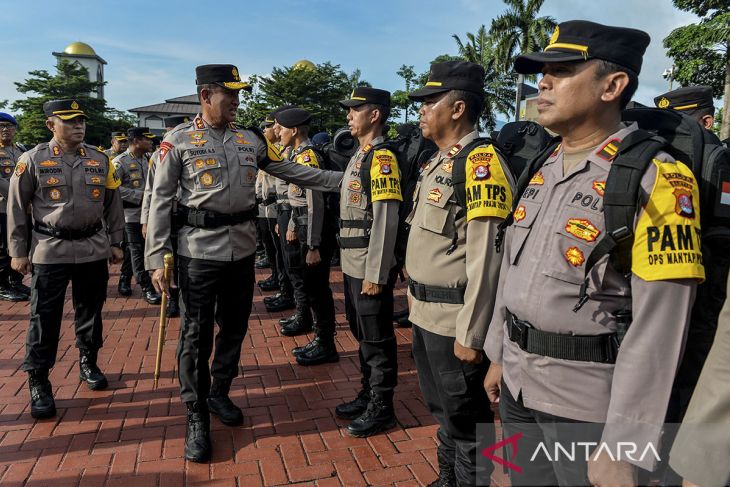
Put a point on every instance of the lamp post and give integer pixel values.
(669, 74)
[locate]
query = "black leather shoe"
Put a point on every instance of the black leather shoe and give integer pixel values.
(221, 405)
(354, 408)
(378, 416)
(324, 351)
(281, 304)
(270, 284)
(125, 287)
(447, 477)
(90, 373)
(301, 325)
(19, 287)
(7, 293)
(300, 350)
(262, 263)
(42, 405)
(271, 299)
(286, 321)
(173, 307)
(197, 435)
(151, 296)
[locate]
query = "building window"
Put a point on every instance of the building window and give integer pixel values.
(154, 122)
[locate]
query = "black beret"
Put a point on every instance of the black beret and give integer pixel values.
(364, 94)
(293, 117)
(225, 75)
(689, 99)
(580, 40)
(63, 109)
(452, 75)
(140, 132)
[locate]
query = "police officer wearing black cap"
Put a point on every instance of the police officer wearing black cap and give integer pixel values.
(119, 144)
(11, 282)
(310, 232)
(213, 164)
(694, 101)
(70, 189)
(132, 169)
(569, 345)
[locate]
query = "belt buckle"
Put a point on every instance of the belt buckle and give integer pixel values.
(518, 332)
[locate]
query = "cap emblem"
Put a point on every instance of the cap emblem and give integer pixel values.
(235, 74)
(74, 105)
(663, 103)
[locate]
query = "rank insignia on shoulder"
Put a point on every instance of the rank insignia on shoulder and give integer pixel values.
(56, 151)
(599, 187)
(367, 148)
(199, 124)
(520, 213)
(608, 151)
(537, 179)
(82, 152)
(454, 150)
(582, 229)
(574, 256)
(435, 195)
(684, 206)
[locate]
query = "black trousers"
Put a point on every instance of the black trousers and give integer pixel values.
(538, 427)
(135, 245)
(212, 292)
(126, 271)
(282, 276)
(317, 281)
(48, 291)
(7, 274)
(454, 393)
(262, 229)
(293, 263)
(371, 322)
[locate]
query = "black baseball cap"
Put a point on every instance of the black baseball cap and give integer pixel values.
(364, 94)
(580, 40)
(63, 109)
(452, 75)
(293, 117)
(225, 75)
(687, 99)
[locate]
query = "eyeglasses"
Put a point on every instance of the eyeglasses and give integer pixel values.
(7, 126)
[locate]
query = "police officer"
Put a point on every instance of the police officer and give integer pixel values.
(452, 273)
(368, 230)
(11, 282)
(551, 364)
(70, 188)
(173, 308)
(213, 164)
(119, 144)
(310, 233)
(694, 101)
(266, 213)
(132, 169)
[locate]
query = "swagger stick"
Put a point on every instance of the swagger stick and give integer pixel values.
(163, 318)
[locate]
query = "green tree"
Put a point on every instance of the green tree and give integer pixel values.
(4, 104)
(701, 51)
(499, 94)
(517, 31)
(318, 89)
(70, 81)
(400, 99)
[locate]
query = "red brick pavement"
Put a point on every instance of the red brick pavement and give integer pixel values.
(132, 434)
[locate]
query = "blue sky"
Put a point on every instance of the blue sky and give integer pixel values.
(153, 46)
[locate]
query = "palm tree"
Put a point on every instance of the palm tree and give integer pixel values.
(520, 30)
(498, 91)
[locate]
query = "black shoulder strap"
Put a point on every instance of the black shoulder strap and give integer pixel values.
(458, 174)
(620, 202)
(522, 183)
(367, 163)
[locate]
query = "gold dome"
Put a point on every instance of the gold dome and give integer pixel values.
(304, 64)
(80, 48)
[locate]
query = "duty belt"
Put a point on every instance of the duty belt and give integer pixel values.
(270, 200)
(361, 242)
(300, 215)
(282, 207)
(436, 294)
(581, 348)
(68, 234)
(126, 204)
(193, 217)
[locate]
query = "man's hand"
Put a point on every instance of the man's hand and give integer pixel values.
(605, 472)
(117, 255)
(370, 288)
(158, 280)
(313, 258)
(291, 236)
(276, 228)
(493, 382)
(467, 355)
(21, 264)
(144, 230)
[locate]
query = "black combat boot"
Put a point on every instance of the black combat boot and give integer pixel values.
(173, 306)
(303, 323)
(282, 303)
(125, 286)
(89, 372)
(197, 435)
(42, 405)
(379, 416)
(305, 348)
(355, 408)
(286, 321)
(447, 477)
(321, 352)
(221, 405)
(270, 284)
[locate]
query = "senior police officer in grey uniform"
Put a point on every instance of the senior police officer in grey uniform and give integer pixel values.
(559, 344)
(70, 188)
(452, 271)
(132, 168)
(310, 232)
(119, 144)
(11, 282)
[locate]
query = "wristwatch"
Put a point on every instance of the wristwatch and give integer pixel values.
(313, 248)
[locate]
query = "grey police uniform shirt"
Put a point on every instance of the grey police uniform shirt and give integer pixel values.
(556, 226)
(473, 264)
(133, 173)
(215, 170)
(375, 261)
(268, 191)
(67, 192)
(147, 196)
(312, 200)
(9, 156)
